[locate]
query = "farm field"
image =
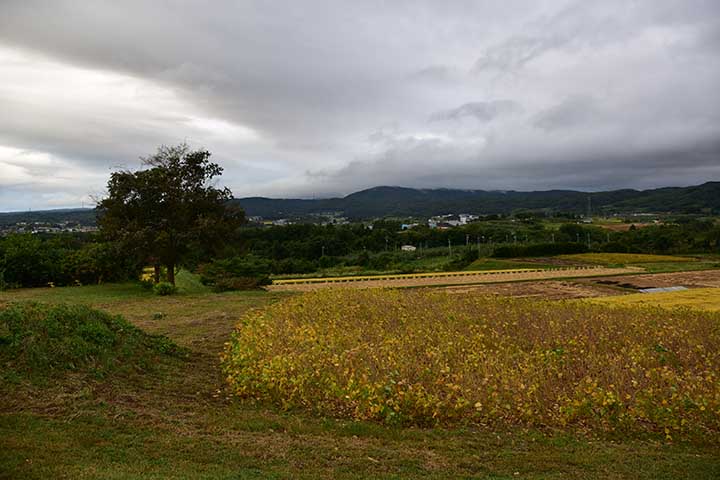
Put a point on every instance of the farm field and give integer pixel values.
(181, 421)
(543, 289)
(424, 357)
(690, 279)
(448, 278)
(697, 298)
(622, 258)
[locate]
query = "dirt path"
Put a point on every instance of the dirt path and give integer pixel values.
(465, 279)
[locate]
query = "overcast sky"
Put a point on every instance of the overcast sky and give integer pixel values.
(305, 98)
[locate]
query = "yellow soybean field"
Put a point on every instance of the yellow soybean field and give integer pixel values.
(699, 298)
(431, 358)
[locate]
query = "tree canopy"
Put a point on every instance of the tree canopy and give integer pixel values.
(170, 211)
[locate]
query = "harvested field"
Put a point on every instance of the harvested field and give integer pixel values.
(465, 279)
(623, 258)
(550, 290)
(691, 279)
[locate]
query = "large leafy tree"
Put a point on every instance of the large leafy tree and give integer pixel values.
(170, 210)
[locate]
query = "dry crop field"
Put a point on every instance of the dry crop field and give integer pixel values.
(428, 358)
(374, 384)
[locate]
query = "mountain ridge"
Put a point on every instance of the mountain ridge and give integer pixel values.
(386, 201)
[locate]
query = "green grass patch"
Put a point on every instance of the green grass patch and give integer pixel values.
(40, 340)
(497, 264)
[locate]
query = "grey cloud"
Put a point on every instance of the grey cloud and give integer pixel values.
(574, 111)
(481, 111)
(312, 81)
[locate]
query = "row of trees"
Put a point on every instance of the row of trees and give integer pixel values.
(36, 261)
(170, 214)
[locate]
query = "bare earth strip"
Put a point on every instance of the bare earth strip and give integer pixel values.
(696, 279)
(480, 277)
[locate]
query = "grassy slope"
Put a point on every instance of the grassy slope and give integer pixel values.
(179, 423)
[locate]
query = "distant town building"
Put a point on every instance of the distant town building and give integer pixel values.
(408, 248)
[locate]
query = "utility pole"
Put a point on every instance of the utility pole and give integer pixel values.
(323, 251)
(467, 239)
(588, 239)
(553, 238)
(449, 247)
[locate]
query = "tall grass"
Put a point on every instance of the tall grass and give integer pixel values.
(429, 358)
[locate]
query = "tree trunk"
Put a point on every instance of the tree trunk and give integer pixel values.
(171, 273)
(157, 273)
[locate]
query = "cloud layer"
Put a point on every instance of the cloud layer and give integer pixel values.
(318, 98)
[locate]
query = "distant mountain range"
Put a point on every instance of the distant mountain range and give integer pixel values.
(407, 202)
(400, 201)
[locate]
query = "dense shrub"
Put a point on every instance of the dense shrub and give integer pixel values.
(164, 289)
(468, 256)
(425, 357)
(236, 273)
(539, 250)
(40, 339)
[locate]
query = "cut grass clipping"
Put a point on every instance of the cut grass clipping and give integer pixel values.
(431, 358)
(38, 340)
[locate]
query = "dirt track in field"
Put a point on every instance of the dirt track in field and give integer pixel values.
(479, 278)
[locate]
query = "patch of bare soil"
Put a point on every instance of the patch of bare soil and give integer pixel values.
(548, 290)
(692, 279)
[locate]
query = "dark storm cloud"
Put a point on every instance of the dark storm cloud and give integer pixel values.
(321, 97)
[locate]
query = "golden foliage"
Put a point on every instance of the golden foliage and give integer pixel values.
(700, 298)
(427, 358)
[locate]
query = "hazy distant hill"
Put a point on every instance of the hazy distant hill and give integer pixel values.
(400, 201)
(389, 201)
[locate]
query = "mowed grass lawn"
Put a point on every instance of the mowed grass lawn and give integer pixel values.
(180, 422)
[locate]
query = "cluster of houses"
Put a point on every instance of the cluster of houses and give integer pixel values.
(43, 227)
(451, 220)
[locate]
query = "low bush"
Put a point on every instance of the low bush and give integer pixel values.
(164, 289)
(428, 358)
(38, 340)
